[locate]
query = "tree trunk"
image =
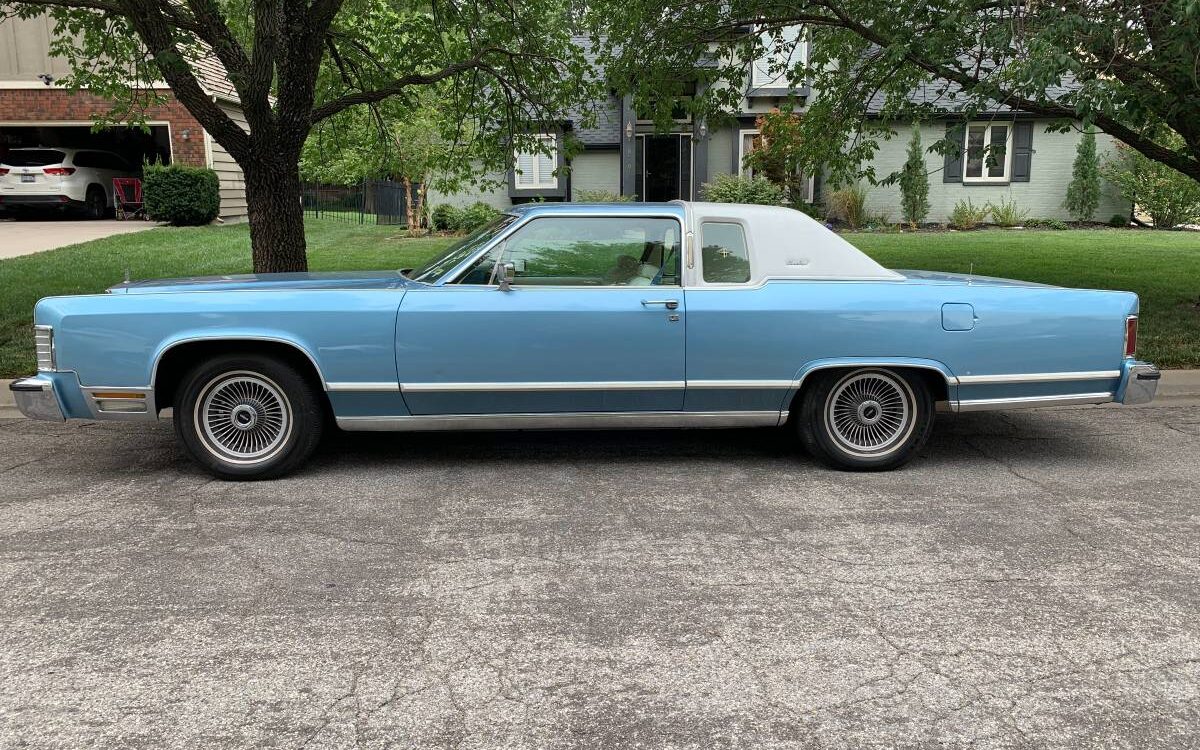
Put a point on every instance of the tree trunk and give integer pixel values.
(276, 214)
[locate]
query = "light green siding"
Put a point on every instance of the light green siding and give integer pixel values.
(596, 170)
(720, 151)
(1042, 196)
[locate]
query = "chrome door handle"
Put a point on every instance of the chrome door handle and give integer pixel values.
(670, 304)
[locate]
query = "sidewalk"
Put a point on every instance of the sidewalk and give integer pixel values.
(1178, 387)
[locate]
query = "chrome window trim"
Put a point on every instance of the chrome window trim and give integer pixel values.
(1038, 377)
(564, 421)
(455, 273)
(1032, 402)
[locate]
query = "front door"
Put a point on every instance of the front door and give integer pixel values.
(664, 167)
(593, 322)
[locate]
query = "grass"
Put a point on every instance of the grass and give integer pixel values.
(1162, 267)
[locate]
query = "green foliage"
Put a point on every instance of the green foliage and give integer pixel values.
(778, 155)
(914, 182)
(1054, 224)
(849, 205)
(445, 218)
(966, 215)
(1083, 194)
(812, 209)
(600, 196)
(1007, 214)
(1169, 197)
(731, 188)
(1128, 68)
(449, 218)
(1118, 221)
(181, 196)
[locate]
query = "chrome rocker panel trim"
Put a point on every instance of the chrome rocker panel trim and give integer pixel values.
(1032, 402)
(564, 421)
(36, 399)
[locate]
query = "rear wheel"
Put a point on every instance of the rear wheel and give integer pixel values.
(868, 419)
(245, 416)
(95, 204)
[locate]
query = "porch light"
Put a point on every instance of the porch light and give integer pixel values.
(629, 128)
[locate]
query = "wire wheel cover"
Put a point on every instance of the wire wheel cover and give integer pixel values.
(870, 413)
(243, 417)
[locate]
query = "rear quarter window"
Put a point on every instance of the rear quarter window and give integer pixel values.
(724, 257)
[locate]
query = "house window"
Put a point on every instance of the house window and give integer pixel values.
(534, 170)
(987, 148)
(782, 51)
(750, 140)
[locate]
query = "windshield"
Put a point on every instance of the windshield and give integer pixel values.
(461, 250)
(30, 157)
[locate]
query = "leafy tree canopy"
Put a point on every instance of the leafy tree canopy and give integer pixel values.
(500, 67)
(1125, 66)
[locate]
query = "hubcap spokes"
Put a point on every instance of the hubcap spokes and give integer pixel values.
(243, 417)
(870, 413)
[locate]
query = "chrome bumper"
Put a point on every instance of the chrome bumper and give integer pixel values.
(36, 399)
(1141, 384)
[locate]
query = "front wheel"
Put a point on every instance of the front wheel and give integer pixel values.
(248, 417)
(868, 419)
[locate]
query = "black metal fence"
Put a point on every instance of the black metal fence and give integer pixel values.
(369, 202)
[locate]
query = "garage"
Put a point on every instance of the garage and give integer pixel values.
(135, 145)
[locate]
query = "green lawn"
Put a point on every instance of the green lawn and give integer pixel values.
(1162, 267)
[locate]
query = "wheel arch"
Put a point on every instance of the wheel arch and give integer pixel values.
(175, 358)
(943, 385)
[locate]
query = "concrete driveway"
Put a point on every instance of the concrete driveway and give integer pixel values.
(1032, 581)
(26, 237)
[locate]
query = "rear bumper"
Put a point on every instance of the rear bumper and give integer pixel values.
(1139, 384)
(36, 399)
(46, 200)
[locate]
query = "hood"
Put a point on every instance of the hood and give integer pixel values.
(267, 282)
(959, 279)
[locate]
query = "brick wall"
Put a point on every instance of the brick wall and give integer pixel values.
(48, 105)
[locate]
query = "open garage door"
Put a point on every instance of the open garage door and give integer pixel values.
(136, 145)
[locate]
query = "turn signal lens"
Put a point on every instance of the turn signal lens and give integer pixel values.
(59, 171)
(1131, 335)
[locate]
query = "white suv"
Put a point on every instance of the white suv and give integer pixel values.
(55, 177)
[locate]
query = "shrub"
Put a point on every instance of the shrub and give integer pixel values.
(812, 209)
(849, 204)
(914, 183)
(1170, 197)
(475, 215)
(1118, 220)
(600, 196)
(1006, 214)
(1045, 224)
(179, 195)
(966, 215)
(731, 188)
(1083, 194)
(445, 218)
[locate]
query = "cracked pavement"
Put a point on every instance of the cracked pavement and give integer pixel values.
(1032, 580)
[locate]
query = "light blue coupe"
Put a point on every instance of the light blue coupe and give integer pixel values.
(573, 316)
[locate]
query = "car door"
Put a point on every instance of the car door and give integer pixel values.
(593, 321)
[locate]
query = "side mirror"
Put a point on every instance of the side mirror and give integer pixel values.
(506, 272)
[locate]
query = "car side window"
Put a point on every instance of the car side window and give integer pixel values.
(86, 159)
(588, 251)
(723, 253)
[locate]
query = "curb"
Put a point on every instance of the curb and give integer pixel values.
(1177, 388)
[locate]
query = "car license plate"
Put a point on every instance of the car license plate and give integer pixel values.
(27, 177)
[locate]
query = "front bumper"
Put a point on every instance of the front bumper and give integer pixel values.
(36, 399)
(1140, 385)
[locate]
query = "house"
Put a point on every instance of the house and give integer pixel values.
(36, 111)
(622, 153)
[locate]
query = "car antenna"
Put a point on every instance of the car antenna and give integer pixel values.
(970, 274)
(126, 274)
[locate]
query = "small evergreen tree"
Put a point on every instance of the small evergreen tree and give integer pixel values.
(1083, 194)
(914, 182)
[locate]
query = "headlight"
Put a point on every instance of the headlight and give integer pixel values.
(43, 339)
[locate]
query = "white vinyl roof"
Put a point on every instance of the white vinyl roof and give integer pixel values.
(785, 243)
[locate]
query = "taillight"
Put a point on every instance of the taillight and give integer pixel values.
(59, 171)
(3, 171)
(1130, 335)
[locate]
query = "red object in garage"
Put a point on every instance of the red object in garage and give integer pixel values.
(128, 194)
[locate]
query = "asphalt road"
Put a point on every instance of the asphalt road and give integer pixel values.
(1032, 581)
